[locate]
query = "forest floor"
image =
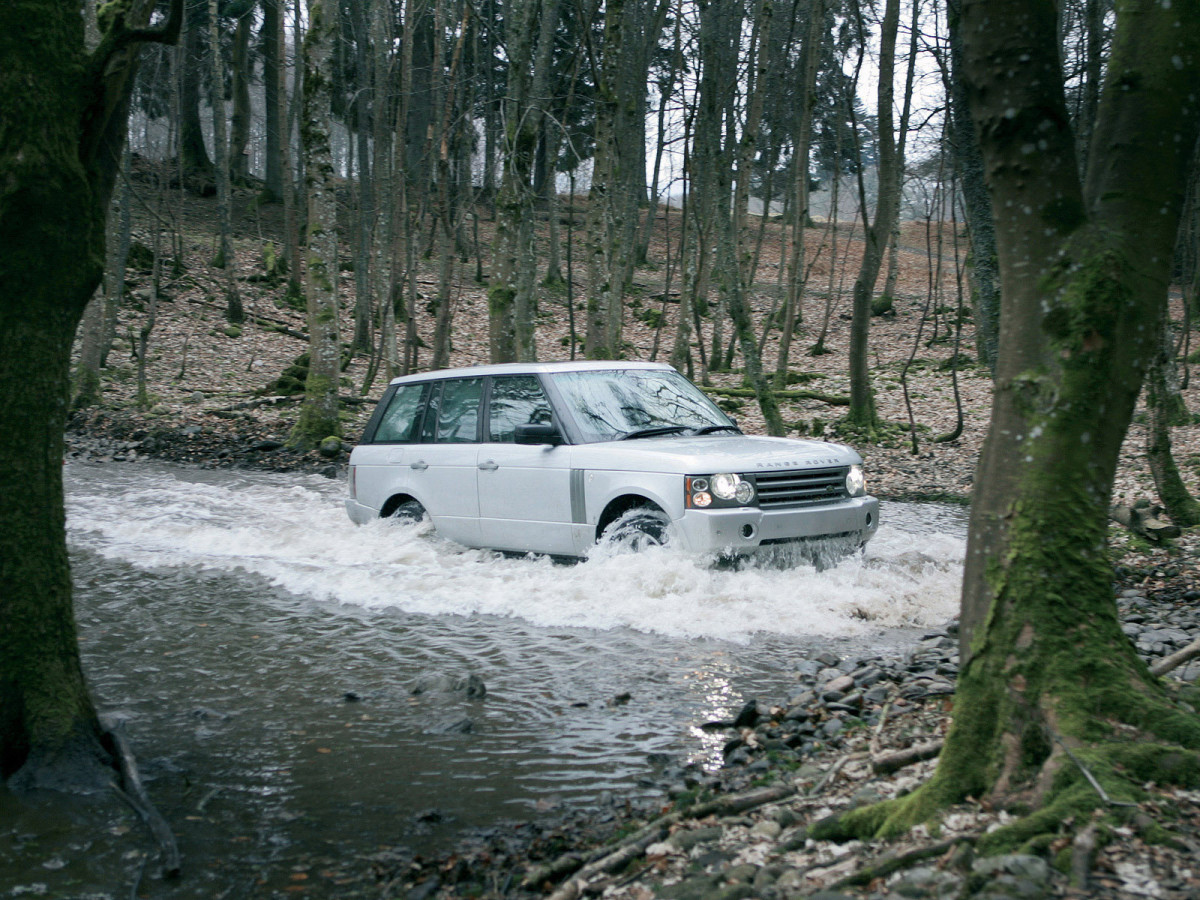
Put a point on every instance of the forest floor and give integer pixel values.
(210, 402)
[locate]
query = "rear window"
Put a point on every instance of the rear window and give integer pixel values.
(458, 411)
(403, 416)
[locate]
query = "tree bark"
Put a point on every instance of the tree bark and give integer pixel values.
(239, 137)
(65, 118)
(273, 65)
(225, 255)
(1162, 406)
(319, 412)
(796, 265)
(509, 300)
(964, 147)
(862, 399)
(194, 158)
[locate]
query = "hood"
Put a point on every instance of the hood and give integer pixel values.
(713, 453)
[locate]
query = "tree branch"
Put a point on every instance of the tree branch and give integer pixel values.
(1176, 659)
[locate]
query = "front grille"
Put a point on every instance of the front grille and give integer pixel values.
(806, 487)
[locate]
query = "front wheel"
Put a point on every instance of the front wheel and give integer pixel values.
(638, 529)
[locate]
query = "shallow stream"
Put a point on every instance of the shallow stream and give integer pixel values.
(297, 687)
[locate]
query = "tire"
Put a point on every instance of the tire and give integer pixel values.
(638, 529)
(410, 512)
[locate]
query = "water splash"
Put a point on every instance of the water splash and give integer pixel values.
(293, 531)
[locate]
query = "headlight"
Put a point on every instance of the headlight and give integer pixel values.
(856, 482)
(725, 486)
(728, 486)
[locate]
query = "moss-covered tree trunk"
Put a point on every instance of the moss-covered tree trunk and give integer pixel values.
(1164, 408)
(319, 412)
(1050, 683)
(64, 124)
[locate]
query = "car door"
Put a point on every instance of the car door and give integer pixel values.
(380, 464)
(443, 462)
(524, 490)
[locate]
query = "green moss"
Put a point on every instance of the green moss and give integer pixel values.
(501, 300)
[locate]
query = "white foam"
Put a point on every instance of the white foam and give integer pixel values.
(293, 531)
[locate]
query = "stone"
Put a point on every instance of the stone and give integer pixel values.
(1166, 636)
(927, 881)
(1032, 868)
(688, 889)
(767, 829)
(839, 685)
(807, 668)
(833, 727)
(804, 698)
(687, 839)
(460, 725)
(741, 873)
(747, 716)
(867, 676)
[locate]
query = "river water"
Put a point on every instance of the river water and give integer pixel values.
(296, 687)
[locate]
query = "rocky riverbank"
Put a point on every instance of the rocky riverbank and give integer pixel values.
(853, 731)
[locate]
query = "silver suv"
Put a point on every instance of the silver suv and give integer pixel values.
(552, 457)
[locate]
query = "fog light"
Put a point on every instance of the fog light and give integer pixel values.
(747, 531)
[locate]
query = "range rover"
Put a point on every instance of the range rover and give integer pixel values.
(550, 458)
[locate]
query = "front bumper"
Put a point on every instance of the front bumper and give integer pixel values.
(747, 529)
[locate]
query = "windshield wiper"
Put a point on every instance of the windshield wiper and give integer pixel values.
(652, 432)
(713, 429)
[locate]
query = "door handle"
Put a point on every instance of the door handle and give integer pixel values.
(420, 465)
(489, 466)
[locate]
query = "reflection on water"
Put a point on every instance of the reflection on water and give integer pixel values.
(294, 684)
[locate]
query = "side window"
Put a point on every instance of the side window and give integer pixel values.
(458, 412)
(403, 416)
(516, 400)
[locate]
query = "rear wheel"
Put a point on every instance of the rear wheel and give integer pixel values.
(410, 512)
(638, 528)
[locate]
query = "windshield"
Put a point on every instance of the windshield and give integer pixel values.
(620, 403)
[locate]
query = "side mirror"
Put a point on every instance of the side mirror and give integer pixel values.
(537, 434)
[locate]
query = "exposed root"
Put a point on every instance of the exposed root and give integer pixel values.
(134, 793)
(1105, 777)
(1108, 801)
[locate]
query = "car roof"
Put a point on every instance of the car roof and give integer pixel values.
(525, 368)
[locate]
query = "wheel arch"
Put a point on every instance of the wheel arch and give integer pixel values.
(618, 506)
(394, 502)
